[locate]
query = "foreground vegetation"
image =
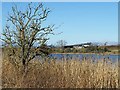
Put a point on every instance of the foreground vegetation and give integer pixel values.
(72, 73)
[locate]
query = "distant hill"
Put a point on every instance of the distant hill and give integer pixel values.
(102, 43)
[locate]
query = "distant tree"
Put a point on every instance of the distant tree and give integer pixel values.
(26, 32)
(105, 43)
(61, 43)
(105, 48)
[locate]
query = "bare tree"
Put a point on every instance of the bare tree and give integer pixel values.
(61, 43)
(25, 34)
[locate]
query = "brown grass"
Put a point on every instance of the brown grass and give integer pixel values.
(59, 74)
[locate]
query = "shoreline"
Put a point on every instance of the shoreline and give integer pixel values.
(90, 53)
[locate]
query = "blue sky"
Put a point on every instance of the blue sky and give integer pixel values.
(80, 21)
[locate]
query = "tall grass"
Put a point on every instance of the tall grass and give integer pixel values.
(72, 73)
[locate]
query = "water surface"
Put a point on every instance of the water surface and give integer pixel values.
(111, 57)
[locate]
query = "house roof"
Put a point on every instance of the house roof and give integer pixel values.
(78, 44)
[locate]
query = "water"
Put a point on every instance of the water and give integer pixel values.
(111, 57)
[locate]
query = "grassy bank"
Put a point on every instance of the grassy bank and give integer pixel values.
(65, 73)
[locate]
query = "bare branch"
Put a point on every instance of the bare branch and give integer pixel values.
(27, 31)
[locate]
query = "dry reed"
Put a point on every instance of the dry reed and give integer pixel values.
(72, 73)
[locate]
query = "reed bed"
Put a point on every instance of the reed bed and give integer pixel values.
(64, 73)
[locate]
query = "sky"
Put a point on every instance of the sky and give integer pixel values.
(79, 22)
